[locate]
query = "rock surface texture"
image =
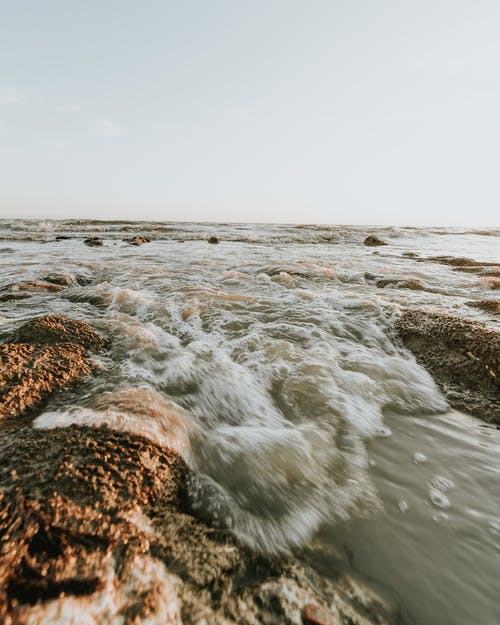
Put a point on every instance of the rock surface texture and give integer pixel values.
(373, 241)
(462, 356)
(94, 528)
(40, 358)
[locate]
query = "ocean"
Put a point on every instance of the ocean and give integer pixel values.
(271, 363)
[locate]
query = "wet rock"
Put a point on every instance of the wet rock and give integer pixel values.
(453, 261)
(137, 240)
(462, 356)
(372, 241)
(62, 237)
(91, 523)
(62, 279)
(6, 250)
(314, 614)
(57, 330)
(401, 283)
(94, 242)
(40, 358)
(410, 254)
(489, 283)
(487, 305)
(32, 285)
(213, 240)
(11, 297)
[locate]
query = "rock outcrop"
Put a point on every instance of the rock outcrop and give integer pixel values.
(40, 358)
(373, 241)
(94, 522)
(463, 357)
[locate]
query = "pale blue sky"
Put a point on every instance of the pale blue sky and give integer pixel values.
(361, 111)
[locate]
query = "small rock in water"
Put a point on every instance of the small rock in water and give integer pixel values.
(137, 240)
(63, 237)
(208, 501)
(94, 242)
(61, 279)
(371, 241)
(213, 240)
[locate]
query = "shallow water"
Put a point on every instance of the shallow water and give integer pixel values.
(269, 361)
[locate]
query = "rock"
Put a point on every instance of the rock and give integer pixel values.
(314, 614)
(62, 237)
(401, 283)
(492, 283)
(23, 290)
(32, 285)
(42, 357)
(443, 344)
(94, 241)
(487, 305)
(137, 240)
(373, 240)
(93, 521)
(213, 240)
(10, 297)
(410, 254)
(62, 279)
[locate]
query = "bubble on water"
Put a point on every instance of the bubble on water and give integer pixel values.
(441, 483)
(419, 457)
(439, 499)
(403, 506)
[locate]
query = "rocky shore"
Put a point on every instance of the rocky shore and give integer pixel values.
(95, 522)
(462, 356)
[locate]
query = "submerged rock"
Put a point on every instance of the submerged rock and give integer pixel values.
(487, 305)
(401, 283)
(93, 241)
(40, 358)
(372, 241)
(61, 279)
(137, 240)
(462, 356)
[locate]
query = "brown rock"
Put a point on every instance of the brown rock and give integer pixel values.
(213, 240)
(487, 305)
(137, 240)
(42, 357)
(372, 241)
(93, 241)
(314, 614)
(61, 279)
(401, 283)
(443, 344)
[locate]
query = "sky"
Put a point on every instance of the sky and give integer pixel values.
(326, 111)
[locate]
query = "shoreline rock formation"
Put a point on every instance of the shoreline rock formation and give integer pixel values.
(94, 522)
(462, 356)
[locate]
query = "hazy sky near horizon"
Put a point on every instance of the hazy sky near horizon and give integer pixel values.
(323, 111)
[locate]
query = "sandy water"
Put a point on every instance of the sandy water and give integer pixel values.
(269, 361)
